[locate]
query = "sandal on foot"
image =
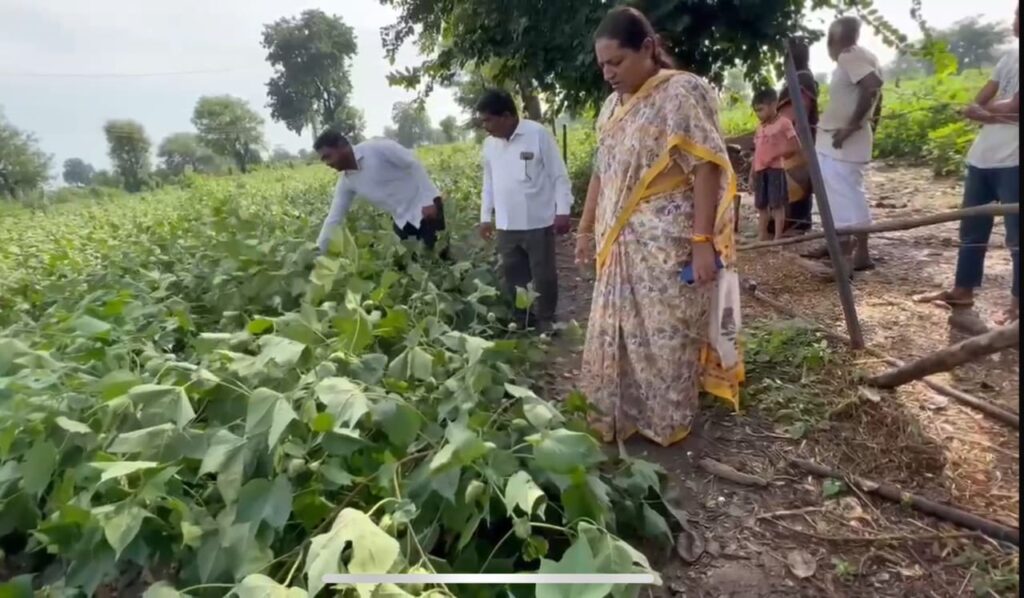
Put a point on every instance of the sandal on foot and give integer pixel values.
(943, 297)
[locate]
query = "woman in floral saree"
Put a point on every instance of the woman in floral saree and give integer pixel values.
(659, 199)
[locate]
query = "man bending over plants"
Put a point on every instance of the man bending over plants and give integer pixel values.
(993, 174)
(389, 177)
(526, 185)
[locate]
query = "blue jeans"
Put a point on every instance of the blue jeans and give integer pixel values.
(983, 186)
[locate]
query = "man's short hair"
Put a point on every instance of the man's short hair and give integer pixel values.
(496, 102)
(330, 138)
(765, 96)
(848, 28)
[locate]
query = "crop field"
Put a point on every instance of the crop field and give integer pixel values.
(189, 396)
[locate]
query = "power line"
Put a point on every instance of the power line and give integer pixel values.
(30, 75)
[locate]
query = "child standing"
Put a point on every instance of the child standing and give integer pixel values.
(774, 142)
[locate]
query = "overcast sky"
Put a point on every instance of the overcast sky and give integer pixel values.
(56, 55)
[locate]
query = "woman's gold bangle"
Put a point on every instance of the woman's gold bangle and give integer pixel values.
(702, 239)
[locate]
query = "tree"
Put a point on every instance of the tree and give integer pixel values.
(546, 45)
(736, 87)
(229, 127)
(311, 84)
(972, 42)
(181, 152)
(78, 172)
(350, 122)
(281, 155)
(128, 147)
(23, 166)
(451, 131)
(104, 178)
(411, 124)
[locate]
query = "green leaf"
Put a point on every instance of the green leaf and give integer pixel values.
(117, 383)
(144, 440)
(322, 423)
(282, 351)
(268, 411)
(121, 526)
(541, 414)
(119, 469)
(164, 403)
(831, 488)
(259, 326)
(373, 551)
(521, 491)
(90, 326)
(579, 558)
(655, 526)
(261, 586)
(260, 500)
(412, 364)
(355, 333)
(225, 456)
(38, 466)
(73, 426)
(19, 587)
(562, 451)
(344, 400)
(399, 421)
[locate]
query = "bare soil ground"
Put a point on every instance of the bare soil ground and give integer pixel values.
(805, 536)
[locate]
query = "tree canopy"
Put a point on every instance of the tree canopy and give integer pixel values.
(411, 124)
(128, 147)
(229, 127)
(311, 84)
(23, 166)
(548, 44)
(78, 172)
(972, 42)
(181, 152)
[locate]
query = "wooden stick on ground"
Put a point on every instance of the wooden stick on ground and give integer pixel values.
(950, 357)
(728, 473)
(895, 224)
(995, 412)
(888, 491)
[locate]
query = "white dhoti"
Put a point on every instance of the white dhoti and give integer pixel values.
(847, 195)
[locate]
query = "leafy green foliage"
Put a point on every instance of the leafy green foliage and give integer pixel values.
(78, 172)
(23, 166)
(230, 128)
(183, 152)
(546, 46)
(186, 389)
(411, 124)
(311, 86)
(129, 147)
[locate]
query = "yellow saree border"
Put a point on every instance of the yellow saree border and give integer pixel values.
(640, 94)
(643, 190)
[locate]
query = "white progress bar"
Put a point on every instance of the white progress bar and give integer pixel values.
(493, 578)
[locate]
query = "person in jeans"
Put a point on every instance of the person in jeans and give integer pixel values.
(527, 197)
(390, 178)
(993, 174)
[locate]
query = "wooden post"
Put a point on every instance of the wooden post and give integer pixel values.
(896, 224)
(839, 265)
(565, 144)
(950, 357)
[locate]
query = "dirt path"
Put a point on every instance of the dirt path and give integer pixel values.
(910, 437)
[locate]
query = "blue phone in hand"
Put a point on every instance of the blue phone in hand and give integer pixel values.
(687, 273)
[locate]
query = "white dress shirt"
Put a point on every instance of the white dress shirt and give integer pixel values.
(525, 180)
(390, 177)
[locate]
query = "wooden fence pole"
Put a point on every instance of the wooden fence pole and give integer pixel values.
(839, 264)
(565, 144)
(950, 357)
(896, 224)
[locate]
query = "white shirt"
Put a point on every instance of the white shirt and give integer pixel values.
(998, 145)
(390, 177)
(853, 65)
(525, 180)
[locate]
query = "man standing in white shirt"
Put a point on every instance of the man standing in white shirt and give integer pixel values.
(389, 177)
(993, 174)
(526, 189)
(845, 138)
